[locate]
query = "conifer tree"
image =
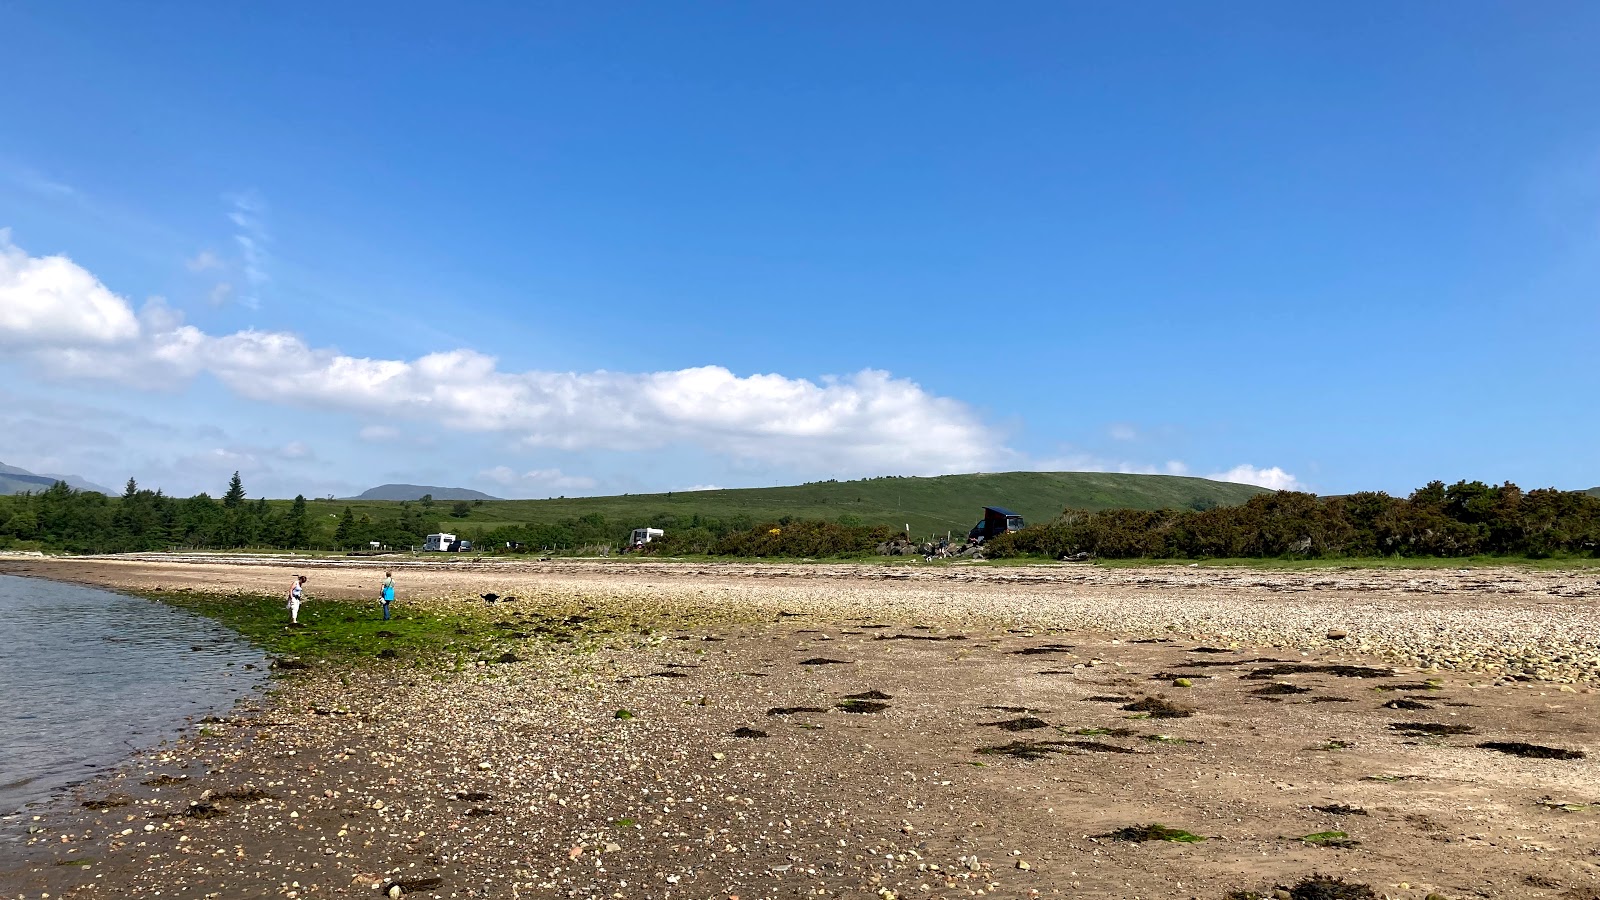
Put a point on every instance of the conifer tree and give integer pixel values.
(235, 495)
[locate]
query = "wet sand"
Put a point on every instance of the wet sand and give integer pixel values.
(863, 731)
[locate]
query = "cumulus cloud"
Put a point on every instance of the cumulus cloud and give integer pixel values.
(864, 423)
(1273, 478)
(52, 301)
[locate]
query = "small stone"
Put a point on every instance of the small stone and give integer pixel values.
(1182, 682)
(1023, 865)
(1337, 634)
(395, 892)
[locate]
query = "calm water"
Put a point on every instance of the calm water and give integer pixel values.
(88, 676)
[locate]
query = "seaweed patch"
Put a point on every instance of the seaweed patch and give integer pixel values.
(1531, 751)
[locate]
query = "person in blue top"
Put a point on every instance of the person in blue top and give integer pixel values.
(388, 593)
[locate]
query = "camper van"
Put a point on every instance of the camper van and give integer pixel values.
(442, 543)
(996, 520)
(642, 536)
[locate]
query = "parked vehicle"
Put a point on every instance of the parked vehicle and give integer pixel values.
(642, 536)
(996, 520)
(441, 543)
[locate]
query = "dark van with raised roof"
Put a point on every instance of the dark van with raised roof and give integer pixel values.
(996, 520)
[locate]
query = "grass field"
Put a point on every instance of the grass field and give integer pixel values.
(928, 505)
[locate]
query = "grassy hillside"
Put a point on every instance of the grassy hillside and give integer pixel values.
(928, 505)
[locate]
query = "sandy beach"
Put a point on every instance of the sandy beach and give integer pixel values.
(867, 731)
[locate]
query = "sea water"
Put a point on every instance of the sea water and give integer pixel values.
(88, 677)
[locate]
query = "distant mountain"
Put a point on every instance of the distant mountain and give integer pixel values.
(415, 492)
(16, 481)
(1594, 490)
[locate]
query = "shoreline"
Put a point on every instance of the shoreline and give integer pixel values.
(1519, 624)
(521, 779)
(124, 678)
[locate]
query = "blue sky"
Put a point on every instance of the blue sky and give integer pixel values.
(615, 248)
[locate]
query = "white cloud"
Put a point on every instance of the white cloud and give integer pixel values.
(30, 180)
(52, 301)
(701, 487)
(870, 422)
(1273, 478)
(542, 479)
(865, 423)
(248, 218)
(220, 293)
(1086, 462)
(500, 475)
(157, 315)
(202, 261)
(1121, 431)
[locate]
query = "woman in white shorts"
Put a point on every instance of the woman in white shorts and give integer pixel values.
(296, 597)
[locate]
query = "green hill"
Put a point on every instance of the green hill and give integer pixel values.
(928, 505)
(1594, 490)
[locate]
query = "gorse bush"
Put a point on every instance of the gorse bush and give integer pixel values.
(1463, 519)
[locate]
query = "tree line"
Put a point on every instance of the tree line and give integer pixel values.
(1463, 519)
(63, 519)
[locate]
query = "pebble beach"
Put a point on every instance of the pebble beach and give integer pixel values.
(753, 731)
